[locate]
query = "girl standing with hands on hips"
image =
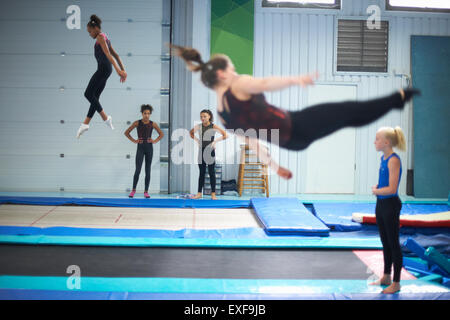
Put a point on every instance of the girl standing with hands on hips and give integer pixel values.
(388, 205)
(144, 146)
(206, 156)
(106, 59)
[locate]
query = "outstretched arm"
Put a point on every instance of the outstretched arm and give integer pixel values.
(249, 85)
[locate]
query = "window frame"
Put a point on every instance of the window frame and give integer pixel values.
(360, 73)
(290, 5)
(389, 7)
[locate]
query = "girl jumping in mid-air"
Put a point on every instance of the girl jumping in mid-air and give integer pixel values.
(388, 205)
(145, 144)
(206, 155)
(106, 58)
(241, 105)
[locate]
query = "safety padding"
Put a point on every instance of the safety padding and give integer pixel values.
(430, 257)
(338, 215)
(287, 216)
(438, 259)
(431, 220)
(125, 202)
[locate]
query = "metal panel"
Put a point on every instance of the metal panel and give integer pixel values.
(42, 102)
(39, 10)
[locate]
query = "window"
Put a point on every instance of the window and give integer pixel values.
(419, 5)
(360, 49)
(317, 4)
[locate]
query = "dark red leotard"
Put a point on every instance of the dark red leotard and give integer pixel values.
(256, 113)
(298, 129)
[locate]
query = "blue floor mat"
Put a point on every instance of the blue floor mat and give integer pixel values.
(287, 216)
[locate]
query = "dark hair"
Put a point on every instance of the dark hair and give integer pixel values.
(95, 21)
(146, 107)
(208, 69)
(207, 111)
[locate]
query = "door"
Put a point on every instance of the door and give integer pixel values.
(330, 162)
(430, 61)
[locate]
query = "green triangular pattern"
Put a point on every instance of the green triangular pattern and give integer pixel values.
(236, 22)
(240, 50)
(232, 31)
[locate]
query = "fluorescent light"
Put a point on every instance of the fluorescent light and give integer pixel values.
(306, 1)
(432, 4)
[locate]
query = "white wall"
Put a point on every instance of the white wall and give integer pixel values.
(33, 36)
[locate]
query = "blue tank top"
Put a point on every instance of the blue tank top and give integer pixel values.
(383, 179)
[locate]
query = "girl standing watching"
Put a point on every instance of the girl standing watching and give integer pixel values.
(206, 156)
(388, 205)
(144, 146)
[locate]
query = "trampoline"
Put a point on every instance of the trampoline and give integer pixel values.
(190, 250)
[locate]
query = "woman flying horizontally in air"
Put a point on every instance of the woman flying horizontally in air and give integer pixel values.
(106, 58)
(241, 105)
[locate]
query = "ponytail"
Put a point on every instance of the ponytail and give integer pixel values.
(400, 139)
(194, 62)
(189, 56)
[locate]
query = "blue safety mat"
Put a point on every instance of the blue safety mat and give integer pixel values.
(22, 294)
(287, 216)
(411, 208)
(126, 202)
(226, 238)
(441, 242)
(28, 287)
(238, 233)
(338, 216)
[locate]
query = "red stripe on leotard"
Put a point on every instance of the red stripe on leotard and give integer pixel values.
(256, 113)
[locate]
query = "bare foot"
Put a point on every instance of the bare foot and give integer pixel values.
(383, 281)
(393, 288)
(197, 196)
(213, 196)
(284, 173)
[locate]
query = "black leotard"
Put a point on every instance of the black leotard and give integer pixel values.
(99, 78)
(298, 129)
(144, 150)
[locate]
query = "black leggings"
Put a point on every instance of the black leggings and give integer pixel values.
(143, 150)
(313, 123)
(211, 171)
(95, 88)
(387, 213)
